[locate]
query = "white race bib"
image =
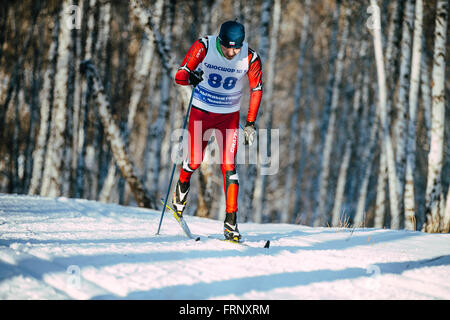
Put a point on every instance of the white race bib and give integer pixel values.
(221, 88)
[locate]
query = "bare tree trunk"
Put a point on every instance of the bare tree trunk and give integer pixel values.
(391, 47)
(146, 19)
(46, 101)
(142, 70)
(51, 185)
(367, 160)
(425, 88)
(85, 93)
(391, 55)
(325, 119)
(410, 206)
(436, 155)
(402, 109)
(446, 221)
(33, 107)
(260, 196)
(157, 131)
(322, 217)
(306, 146)
(77, 98)
(342, 178)
(116, 143)
(382, 109)
(142, 67)
(103, 55)
(294, 136)
(380, 202)
(251, 172)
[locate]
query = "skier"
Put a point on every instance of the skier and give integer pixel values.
(216, 66)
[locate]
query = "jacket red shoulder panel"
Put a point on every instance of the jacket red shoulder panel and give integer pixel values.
(193, 58)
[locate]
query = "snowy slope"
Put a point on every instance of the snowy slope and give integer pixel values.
(77, 249)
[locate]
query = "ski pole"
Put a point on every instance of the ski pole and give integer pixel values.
(175, 164)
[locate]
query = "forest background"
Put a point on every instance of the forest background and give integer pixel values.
(88, 106)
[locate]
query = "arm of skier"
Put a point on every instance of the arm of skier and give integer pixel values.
(255, 84)
(193, 58)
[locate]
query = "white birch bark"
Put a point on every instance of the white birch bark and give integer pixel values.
(323, 216)
(409, 199)
(250, 185)
(117, 145)
(102, 55)
(425, 88)
(142, 67)
(336, 220)
(380, 201)
(294, 125)
(360, 216)
(46, 100)
(391, 49)
(391, 55)
(51, 185)
(260, 196)
(400, 126)
(141, 72)
(77, 106)
(146, 20)
(367, 160)
(157, 130)
(382, 109)
(446, 221)
(84, 105)
(342, 177)
(436, 155)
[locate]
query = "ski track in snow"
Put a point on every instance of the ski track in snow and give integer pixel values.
(59, 248)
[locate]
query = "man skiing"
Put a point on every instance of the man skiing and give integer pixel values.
(216, 66)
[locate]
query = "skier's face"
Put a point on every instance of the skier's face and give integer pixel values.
(229, 53)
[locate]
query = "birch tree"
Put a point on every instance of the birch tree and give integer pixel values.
(46, 101)
(51, 185)
(141, 73)
(157, 132)
(436, 154)
(409, 200)
(115, 141)
(382, 110)
(322, 215)
(367, 156)
(250, 183)
(146, 19)
(260, 196)
(85, 92)
(99, 166)
(390, 62)
(425, 88)
(293, 139)
(342, 178)
(446, 220)
(402, 109)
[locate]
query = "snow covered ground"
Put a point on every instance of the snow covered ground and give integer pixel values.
(77, 249)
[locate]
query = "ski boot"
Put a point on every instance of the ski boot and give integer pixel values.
(230, 228)
(180, 197)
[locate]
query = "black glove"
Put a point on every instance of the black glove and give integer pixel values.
(249, 133)
(195, 77)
